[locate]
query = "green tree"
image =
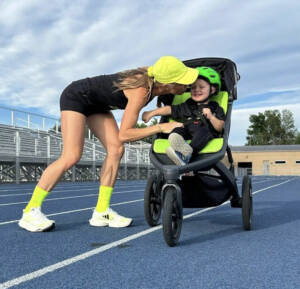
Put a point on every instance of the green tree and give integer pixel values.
(298, 138)
(272, 128)
(289, 130)
(147, 139)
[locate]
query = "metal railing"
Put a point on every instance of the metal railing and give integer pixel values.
(29, 142)
(19, 118)
(22, 142)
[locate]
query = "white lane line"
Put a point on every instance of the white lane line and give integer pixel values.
(69, 261)
(78, 210)
(84, 209)
(72, 190)
(258, 182)
(94, 188)
(66, 198)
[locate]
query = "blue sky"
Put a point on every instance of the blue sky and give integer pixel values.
(44, 45)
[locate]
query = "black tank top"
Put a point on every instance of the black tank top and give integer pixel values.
(100, 90)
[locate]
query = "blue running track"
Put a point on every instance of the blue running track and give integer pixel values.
(213, 252)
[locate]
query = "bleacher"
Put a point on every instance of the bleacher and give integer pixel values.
(24, 142)
(29, 142)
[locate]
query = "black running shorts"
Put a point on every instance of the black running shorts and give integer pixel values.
(75, 97)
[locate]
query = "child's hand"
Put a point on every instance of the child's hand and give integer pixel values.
(146, 116)
(207, 113)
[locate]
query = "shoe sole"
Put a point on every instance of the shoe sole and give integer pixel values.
(26, 226)
(111, 225)
(179, 144)
(172, 155)
(127, 225)
(94, 224)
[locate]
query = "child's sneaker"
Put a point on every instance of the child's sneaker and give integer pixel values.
(109, 218)
(36, 221)
(178, 143)
(177, 157)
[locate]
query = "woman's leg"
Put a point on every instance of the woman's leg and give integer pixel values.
(105, 128)
(73, 128)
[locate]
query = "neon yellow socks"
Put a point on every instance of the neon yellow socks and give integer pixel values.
(104, 198)
(39, 195)
(37, 199)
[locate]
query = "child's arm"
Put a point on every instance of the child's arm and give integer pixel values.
(216, 123)
(164, 110)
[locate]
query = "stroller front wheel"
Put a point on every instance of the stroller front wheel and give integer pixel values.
(247, 203)
(172, 216)
(152, 201)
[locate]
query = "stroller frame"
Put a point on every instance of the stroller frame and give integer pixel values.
(166, 188)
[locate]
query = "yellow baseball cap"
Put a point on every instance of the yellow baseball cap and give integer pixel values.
(169, 69)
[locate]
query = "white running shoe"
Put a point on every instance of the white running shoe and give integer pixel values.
(36, 221)
(109, 218)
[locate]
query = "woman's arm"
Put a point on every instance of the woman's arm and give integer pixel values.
(136, 101)
(164, 110)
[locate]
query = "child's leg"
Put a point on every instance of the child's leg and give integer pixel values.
(178, 143)
(179, 151)
(201, 136)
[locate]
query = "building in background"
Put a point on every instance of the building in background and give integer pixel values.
(267, 160)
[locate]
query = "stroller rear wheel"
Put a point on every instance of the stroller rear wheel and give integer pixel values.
(172, 216)
(152, 201)
(247, 209)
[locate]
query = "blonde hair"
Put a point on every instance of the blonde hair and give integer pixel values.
(138, 77)
(134, 78)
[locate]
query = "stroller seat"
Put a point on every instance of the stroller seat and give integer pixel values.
(160, 144)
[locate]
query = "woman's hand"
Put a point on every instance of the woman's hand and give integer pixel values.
(169, 126)
(146, 116)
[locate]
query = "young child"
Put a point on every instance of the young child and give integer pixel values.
(203, 119)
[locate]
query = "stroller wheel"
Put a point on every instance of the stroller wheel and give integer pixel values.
(172, 216)
(152, 201)
(247, 208)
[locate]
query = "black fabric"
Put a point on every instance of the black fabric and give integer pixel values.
(201, 191)
(199, 134)
(165, 99)
(190, 110)
(93, 95)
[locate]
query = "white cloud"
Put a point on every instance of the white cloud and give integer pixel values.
(46, 45)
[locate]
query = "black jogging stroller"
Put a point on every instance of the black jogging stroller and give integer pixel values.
(205, 181)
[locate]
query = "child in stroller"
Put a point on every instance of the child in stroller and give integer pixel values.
(205, 181)
(203, 119)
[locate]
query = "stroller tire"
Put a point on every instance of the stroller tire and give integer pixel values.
(247, 204)
(172, 216)
(152, 201)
